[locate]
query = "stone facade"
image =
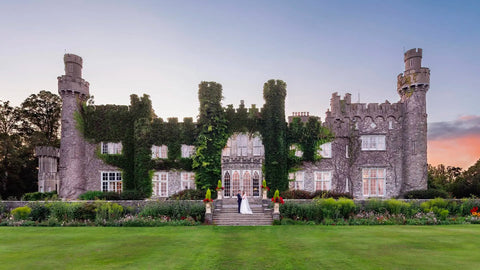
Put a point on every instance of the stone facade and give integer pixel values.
(379, 150)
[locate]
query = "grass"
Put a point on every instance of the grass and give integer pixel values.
(209, 247)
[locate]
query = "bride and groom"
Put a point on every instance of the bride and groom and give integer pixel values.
(243, 205)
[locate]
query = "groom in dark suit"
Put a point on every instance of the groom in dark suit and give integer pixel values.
(239, 200)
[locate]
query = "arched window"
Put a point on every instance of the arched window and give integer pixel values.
(256, 184)
(235, 182)
(247, 185)
(226, 184)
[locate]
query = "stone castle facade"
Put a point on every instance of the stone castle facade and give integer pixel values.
(379, 150)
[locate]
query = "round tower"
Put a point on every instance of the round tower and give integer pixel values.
(74, 92)
(412, 86)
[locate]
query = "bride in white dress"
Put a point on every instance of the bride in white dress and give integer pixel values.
(245, 206)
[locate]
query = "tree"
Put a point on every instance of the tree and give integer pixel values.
(41, 115)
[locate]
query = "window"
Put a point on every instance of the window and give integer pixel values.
(373, 142)
(390, 124)
(159, 151)
(242, 145)
(235, 182)
(323, 180)
(160, 184)
(187, 150)
(296, 180)
(111, 148)
(257, 146)
(247, 187)
(226, 184)
(347, 155)
(188, 180)
(295, 149)
(373, 180)
(226, 151)
(111, 181)
(325, 150)
(256, 184)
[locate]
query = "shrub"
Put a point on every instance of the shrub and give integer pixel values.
(39, 196)
(132, 195)
(85, 211)
(426, 194)
(91, 195)
(108, 212)
(189, 194)
(375, 205)
(397, 207)
(174, 210)
(296, 194)
(21, 213)
(306, 211)
(346, 207)
(331, 194)
(40, 212)
(329, 207)
(467, 205)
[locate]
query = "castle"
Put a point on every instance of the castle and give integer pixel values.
(379, 150)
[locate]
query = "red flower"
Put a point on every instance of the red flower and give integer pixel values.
(278, 200)
(474, 209)
(207, 200)
(222, 188)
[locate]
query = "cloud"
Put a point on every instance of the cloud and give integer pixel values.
(463, 126)
(462, 151)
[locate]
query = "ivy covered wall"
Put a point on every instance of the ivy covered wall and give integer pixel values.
(137, 127)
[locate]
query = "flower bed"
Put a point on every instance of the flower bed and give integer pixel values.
(380, 212)
(101, 213)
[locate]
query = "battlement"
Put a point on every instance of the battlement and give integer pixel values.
(47, 151)
(415, 52)
(68, 57)
(343, 108)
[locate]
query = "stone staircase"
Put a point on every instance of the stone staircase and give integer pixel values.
(226, 213)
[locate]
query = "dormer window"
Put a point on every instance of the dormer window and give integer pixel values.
(325, 150)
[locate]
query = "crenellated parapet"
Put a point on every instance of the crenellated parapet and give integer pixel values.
(414, 75)
(72, 82)
(47, 151)
(342, 108)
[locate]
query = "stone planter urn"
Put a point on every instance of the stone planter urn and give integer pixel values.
(208, 208)
(276, 208)
(220, 194)
(264, 194)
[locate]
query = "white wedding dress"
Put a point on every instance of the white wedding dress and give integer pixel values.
(245, 206)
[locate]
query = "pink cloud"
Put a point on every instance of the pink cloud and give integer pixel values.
(461, 151)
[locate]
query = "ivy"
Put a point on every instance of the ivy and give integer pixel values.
(274, 134)
(213, 135)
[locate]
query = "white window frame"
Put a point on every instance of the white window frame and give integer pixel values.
(297, 151)
(378, 175)
(257, 146)
(187, 180)
(160, 180)
(227, 150)
(159, 151)
(242, 145)
(111, 148)
(111, 181)
(373, 142)
(323, 179)
(187, 151)
(347, 154)
(325, 150)
(297, 180)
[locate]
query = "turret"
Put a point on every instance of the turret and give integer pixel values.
(412, 86)
(74, 91)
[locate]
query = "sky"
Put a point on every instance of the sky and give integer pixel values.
(166, 48)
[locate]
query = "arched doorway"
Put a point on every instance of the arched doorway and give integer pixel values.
(247, 185)
(256, 184)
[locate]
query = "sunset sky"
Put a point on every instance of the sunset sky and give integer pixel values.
(166, 48)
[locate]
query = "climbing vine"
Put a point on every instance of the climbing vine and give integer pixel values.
(212, 137)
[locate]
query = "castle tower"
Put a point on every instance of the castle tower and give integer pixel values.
(412, 86)
(74, 91)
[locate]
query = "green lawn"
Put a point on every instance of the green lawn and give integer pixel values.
(209, 247)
